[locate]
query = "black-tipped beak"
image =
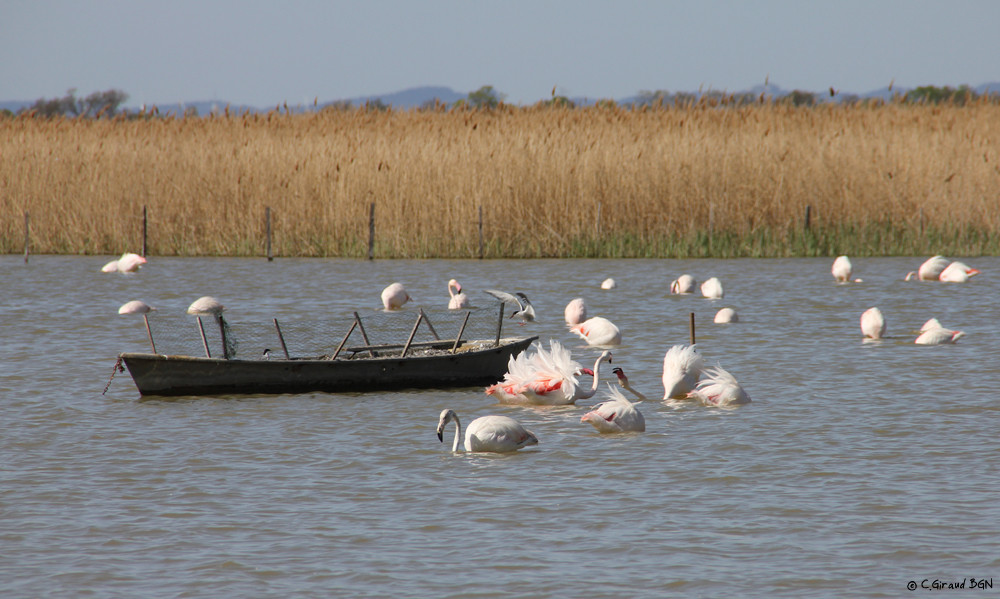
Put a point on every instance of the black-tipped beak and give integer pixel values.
(440, 437)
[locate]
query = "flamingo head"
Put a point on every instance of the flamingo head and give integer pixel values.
(620, 374)
(606, 356)
(972, 271)
(586, 371)
(453, 284)
(447, 416)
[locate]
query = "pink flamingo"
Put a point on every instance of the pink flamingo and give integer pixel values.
(394, 296)
(545, 378)
(458, 299)
(598, 331)
(576, 311)
(682, 366)
(615, 415)
(493, 433)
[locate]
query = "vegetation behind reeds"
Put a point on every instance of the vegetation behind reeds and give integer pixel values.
(894, 179)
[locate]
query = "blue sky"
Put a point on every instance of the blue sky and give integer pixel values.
(266, 53)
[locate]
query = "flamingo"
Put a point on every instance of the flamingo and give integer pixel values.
(712, 289)
(623, 381)
(682, 366)
(524, 308)
(458, 299)
(873, 323)
(615, 415)
(937, 335)
(957, 272)
(719, 388)
(726, 316)
(206, 306)
(930, 270)
(394, 296)
(495, 434)
(598, 331)
(576, 311)
(683, 284)
(545, 378)
(135, 307)
(127, 263)
(609, 283)
(842, 269)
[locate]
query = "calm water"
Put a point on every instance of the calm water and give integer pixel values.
(856, 469)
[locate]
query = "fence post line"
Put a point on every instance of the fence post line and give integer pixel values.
(480, 231)
(144, 230)
(27, 235)
(371, 232)
(808, 215)
(597, 221)
(267, 232)
(691, 327)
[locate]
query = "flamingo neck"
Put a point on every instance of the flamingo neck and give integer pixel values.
(458, 433)
(588, 393)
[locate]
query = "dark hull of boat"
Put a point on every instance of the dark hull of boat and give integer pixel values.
(156, 374)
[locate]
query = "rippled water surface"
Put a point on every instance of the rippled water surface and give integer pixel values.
(858, 468)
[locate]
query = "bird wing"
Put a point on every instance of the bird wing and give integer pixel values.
(503, 296)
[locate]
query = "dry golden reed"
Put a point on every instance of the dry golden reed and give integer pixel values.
(599, 181)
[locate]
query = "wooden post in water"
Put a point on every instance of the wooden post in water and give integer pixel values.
(371, 232)
(480, 231)
(808, 215)
(27, 235)
(267, 232)
(691, 327)
(597, 221)
(364, 335)
(144, 230)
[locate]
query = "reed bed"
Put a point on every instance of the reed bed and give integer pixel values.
(892, 179)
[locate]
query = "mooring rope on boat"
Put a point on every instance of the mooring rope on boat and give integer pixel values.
(118, 368)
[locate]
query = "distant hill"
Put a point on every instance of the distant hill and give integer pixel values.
(417, 97)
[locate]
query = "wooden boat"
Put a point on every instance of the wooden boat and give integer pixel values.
(367, 368)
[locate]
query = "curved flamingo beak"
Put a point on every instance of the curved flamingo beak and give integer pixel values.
(587, 371)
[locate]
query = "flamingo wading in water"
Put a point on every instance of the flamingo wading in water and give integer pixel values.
(394, 296)
(496, 434)
(682, 365)
(546, 378)
(615, 415)
(598, 331)
(873, 323)
(458, 299)
(576, 311)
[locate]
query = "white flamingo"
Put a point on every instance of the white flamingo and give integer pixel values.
(609, 283)
(576, 311)
(873, 323)
(496, 434)
(598, 331)
(624, 382)
(726, 316)
(545, 378)
(957, 272)
(615, 415)
(930, 270)
(683, 284)
(127, 263)
(394, 296)
(937, 335)
(712, 289)
(135, 307)
(206, 306)
(682, 365)
(720, 389)
(524, 308)
(842, 269)
(458, 299)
